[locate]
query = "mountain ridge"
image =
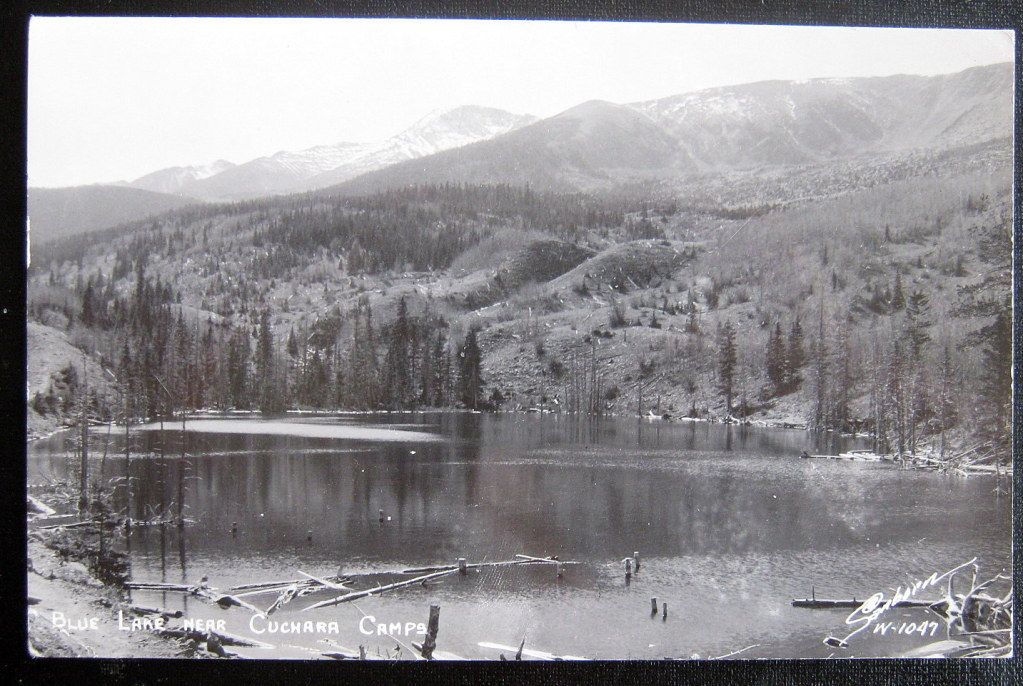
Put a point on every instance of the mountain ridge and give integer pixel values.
(766, 124)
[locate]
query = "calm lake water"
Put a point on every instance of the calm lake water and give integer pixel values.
(729, 523)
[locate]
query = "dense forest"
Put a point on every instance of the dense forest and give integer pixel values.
(319, 301)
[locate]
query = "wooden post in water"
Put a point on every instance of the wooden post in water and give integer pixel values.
(381, 516)
(431, 633)
(557, 567)
(664, 615)
(628, 568)
(635, 556)
(653, 606)
(462, 569)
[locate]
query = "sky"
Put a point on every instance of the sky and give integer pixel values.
(115, 98)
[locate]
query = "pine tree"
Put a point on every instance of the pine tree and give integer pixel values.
(795, 358)
(895, 400)
(820, 410)
(775, 359)
(397, 365)
(470, 368)
(947, 414)
(265, 365)
(442, 372)
(916, 323)
(726, 363)
(898, 300)
(996, 379)
(239, 351)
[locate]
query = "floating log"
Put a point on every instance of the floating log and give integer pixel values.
(524, 560)
(285, 584)
(379, 589)
(552, 559)
(325, 582)
(827, 603)
(286, 596)
(823, 603)
(853, 456)
(201, 590)
(156, 586)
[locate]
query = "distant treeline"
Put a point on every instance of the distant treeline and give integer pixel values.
(419, 227)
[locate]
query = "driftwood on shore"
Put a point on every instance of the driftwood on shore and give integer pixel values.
(222, 637)
(523, 651)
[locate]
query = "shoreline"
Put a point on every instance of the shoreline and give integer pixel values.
(70, 613)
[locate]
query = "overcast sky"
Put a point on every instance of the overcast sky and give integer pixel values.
(112, 99)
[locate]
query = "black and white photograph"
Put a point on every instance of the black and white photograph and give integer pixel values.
(395, 339)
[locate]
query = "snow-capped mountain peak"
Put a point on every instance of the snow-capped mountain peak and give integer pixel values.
(324, 165)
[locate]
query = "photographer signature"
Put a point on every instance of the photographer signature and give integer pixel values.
(874, 607)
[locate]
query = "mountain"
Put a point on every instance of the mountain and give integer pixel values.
(325, 165)
(770, 124)
(590, 144)
(175, 179)
(61, 212)
(799, 122)
(433, 133)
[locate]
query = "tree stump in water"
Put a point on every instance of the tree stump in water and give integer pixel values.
(431, 633)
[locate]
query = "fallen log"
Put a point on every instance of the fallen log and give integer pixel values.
(75, 525)
(284, 584)
(201, 590)
(222, 636)
(478, 565)
(325, 582)
(538, 654)
(283, 599)
(379, 589)
(156, 586)
(37, 506)
(142, 610)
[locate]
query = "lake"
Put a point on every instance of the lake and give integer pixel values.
(730, 526)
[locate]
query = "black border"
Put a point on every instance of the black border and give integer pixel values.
(14, 19)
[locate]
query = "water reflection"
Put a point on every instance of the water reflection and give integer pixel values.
(733, 506)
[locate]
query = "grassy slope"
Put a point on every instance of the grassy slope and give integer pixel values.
(49, 350)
